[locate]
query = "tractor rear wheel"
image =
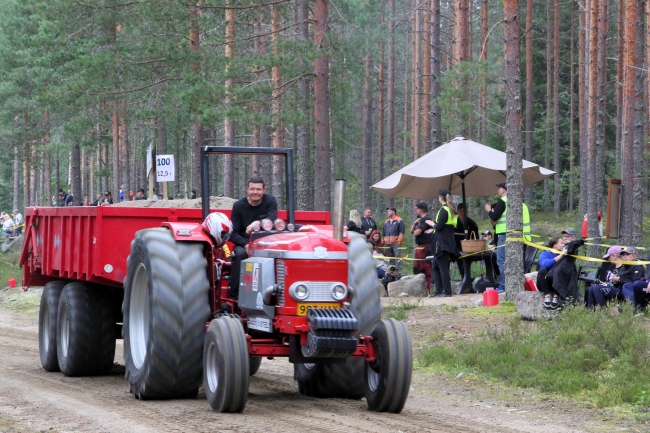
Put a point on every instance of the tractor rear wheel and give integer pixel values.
(85, 327)
(255, 364)
(47, 325)
(165, 310)
(226, 368)
(389, 377)
(347, 380)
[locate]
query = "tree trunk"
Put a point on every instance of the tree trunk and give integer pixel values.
(620, 43)
(638, 198)
(382, 110)
(601, 82)
(582, 107)
(115, 127)
(304, 130)
(461, 26)
(26, 164)
(514, 174)
(389, 154)
(571, 117)
(529, 92)
(229, 123)
(484, 49)
(426, 77)
(366, 145)
(48, 161)
(75, 166)
(592, 175)
(436, 52)
(556, 110)
(195, 42)
(323, 177)
(415, 81)
(17, 178)
(549, 107)
(278, 135)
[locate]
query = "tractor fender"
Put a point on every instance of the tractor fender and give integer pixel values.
(187, 232)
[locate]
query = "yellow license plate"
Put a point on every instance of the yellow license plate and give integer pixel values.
(302, 308)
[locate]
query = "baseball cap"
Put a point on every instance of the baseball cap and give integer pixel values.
(422, 206)
(614, 249)
(502, 185)
(487, 232)
(444, 192)
(391, 208)
(15, 210)
(107, 193)
(569, 231)
(628, 250)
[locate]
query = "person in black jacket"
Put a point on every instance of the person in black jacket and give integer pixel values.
(368, 225)
(246, 218)
(354, 224)
(443, 245)
(617, 275)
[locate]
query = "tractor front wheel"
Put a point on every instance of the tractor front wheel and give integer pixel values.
(226, 365)
(389, 377)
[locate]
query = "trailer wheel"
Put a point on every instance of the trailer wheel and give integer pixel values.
(164, 311)
(47, 325)
(226, 367)
(347, 380)
(255, 364)
(389, 377)
(85, 330)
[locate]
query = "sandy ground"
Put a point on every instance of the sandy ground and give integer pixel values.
(215, 203)
(33, 400)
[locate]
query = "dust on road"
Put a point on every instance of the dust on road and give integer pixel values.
(32, 400)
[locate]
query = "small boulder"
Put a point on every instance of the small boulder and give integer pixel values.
(412, 285)
(530, 306)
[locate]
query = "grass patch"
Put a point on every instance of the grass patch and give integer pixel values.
(397, 310)
(598, 357)
(9, 267)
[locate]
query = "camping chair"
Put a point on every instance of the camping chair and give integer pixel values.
(529, 259)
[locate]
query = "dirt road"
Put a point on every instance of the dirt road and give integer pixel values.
(33, 400)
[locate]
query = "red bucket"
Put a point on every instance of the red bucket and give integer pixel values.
(12, 282)
(490, 298)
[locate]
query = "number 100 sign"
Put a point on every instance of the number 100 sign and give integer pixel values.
(165, 168)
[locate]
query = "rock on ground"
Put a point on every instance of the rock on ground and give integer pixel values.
(215, 203)
(412, 285)
(530, 306)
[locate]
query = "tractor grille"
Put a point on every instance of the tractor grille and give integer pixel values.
(279, 272)
(319, 291)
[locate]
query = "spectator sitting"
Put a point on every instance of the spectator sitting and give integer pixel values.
(8, 225)
(637, 292)
(617, 275)
(380, 263)
(547, 262)
(568, 235)
(354, 225)
(140, 195)
(98, 202)
(375, 236)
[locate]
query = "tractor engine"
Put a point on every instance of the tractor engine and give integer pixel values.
(296, 283)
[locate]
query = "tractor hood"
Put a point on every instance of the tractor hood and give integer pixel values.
(301, 245)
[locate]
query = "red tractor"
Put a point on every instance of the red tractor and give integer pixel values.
(307, 293)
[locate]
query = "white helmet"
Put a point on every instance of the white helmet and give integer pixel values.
(218, 226)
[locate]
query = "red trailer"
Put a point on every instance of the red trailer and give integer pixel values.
(155, 278)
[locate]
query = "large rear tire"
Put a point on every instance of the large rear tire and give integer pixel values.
(389, 377)
(85, 330)
(226, 367)
(347, 380)
(47, 325)
(165, 310)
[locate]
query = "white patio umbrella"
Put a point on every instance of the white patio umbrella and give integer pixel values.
(462, 166)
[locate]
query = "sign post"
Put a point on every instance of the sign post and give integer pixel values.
(165, 172)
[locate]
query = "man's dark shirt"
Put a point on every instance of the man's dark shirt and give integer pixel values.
(424, 238)
(243, 214)
(497, 211)
(459, 232)
(368, 224)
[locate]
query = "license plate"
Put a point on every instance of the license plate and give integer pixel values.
(302, 308)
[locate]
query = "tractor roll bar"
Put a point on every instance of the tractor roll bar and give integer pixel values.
(241, 150)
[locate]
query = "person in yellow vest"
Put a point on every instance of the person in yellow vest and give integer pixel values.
(498, 213)
(443, 245)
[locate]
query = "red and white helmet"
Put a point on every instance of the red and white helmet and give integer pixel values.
(218, 226)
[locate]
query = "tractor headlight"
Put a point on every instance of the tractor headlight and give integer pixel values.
(339, 292)
(300, 292)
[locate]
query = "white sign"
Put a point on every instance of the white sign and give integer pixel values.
(165, 168)
(148, 161)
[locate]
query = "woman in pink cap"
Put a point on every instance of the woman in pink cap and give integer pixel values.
(599, 293)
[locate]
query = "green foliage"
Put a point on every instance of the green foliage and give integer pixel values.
(600, 357)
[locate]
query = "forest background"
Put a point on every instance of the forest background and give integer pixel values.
(359, 88)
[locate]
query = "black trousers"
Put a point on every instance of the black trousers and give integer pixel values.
(440, 274)
(544, 283)
(239, 255)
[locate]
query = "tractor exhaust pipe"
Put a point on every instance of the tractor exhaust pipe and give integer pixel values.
(338, 206)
